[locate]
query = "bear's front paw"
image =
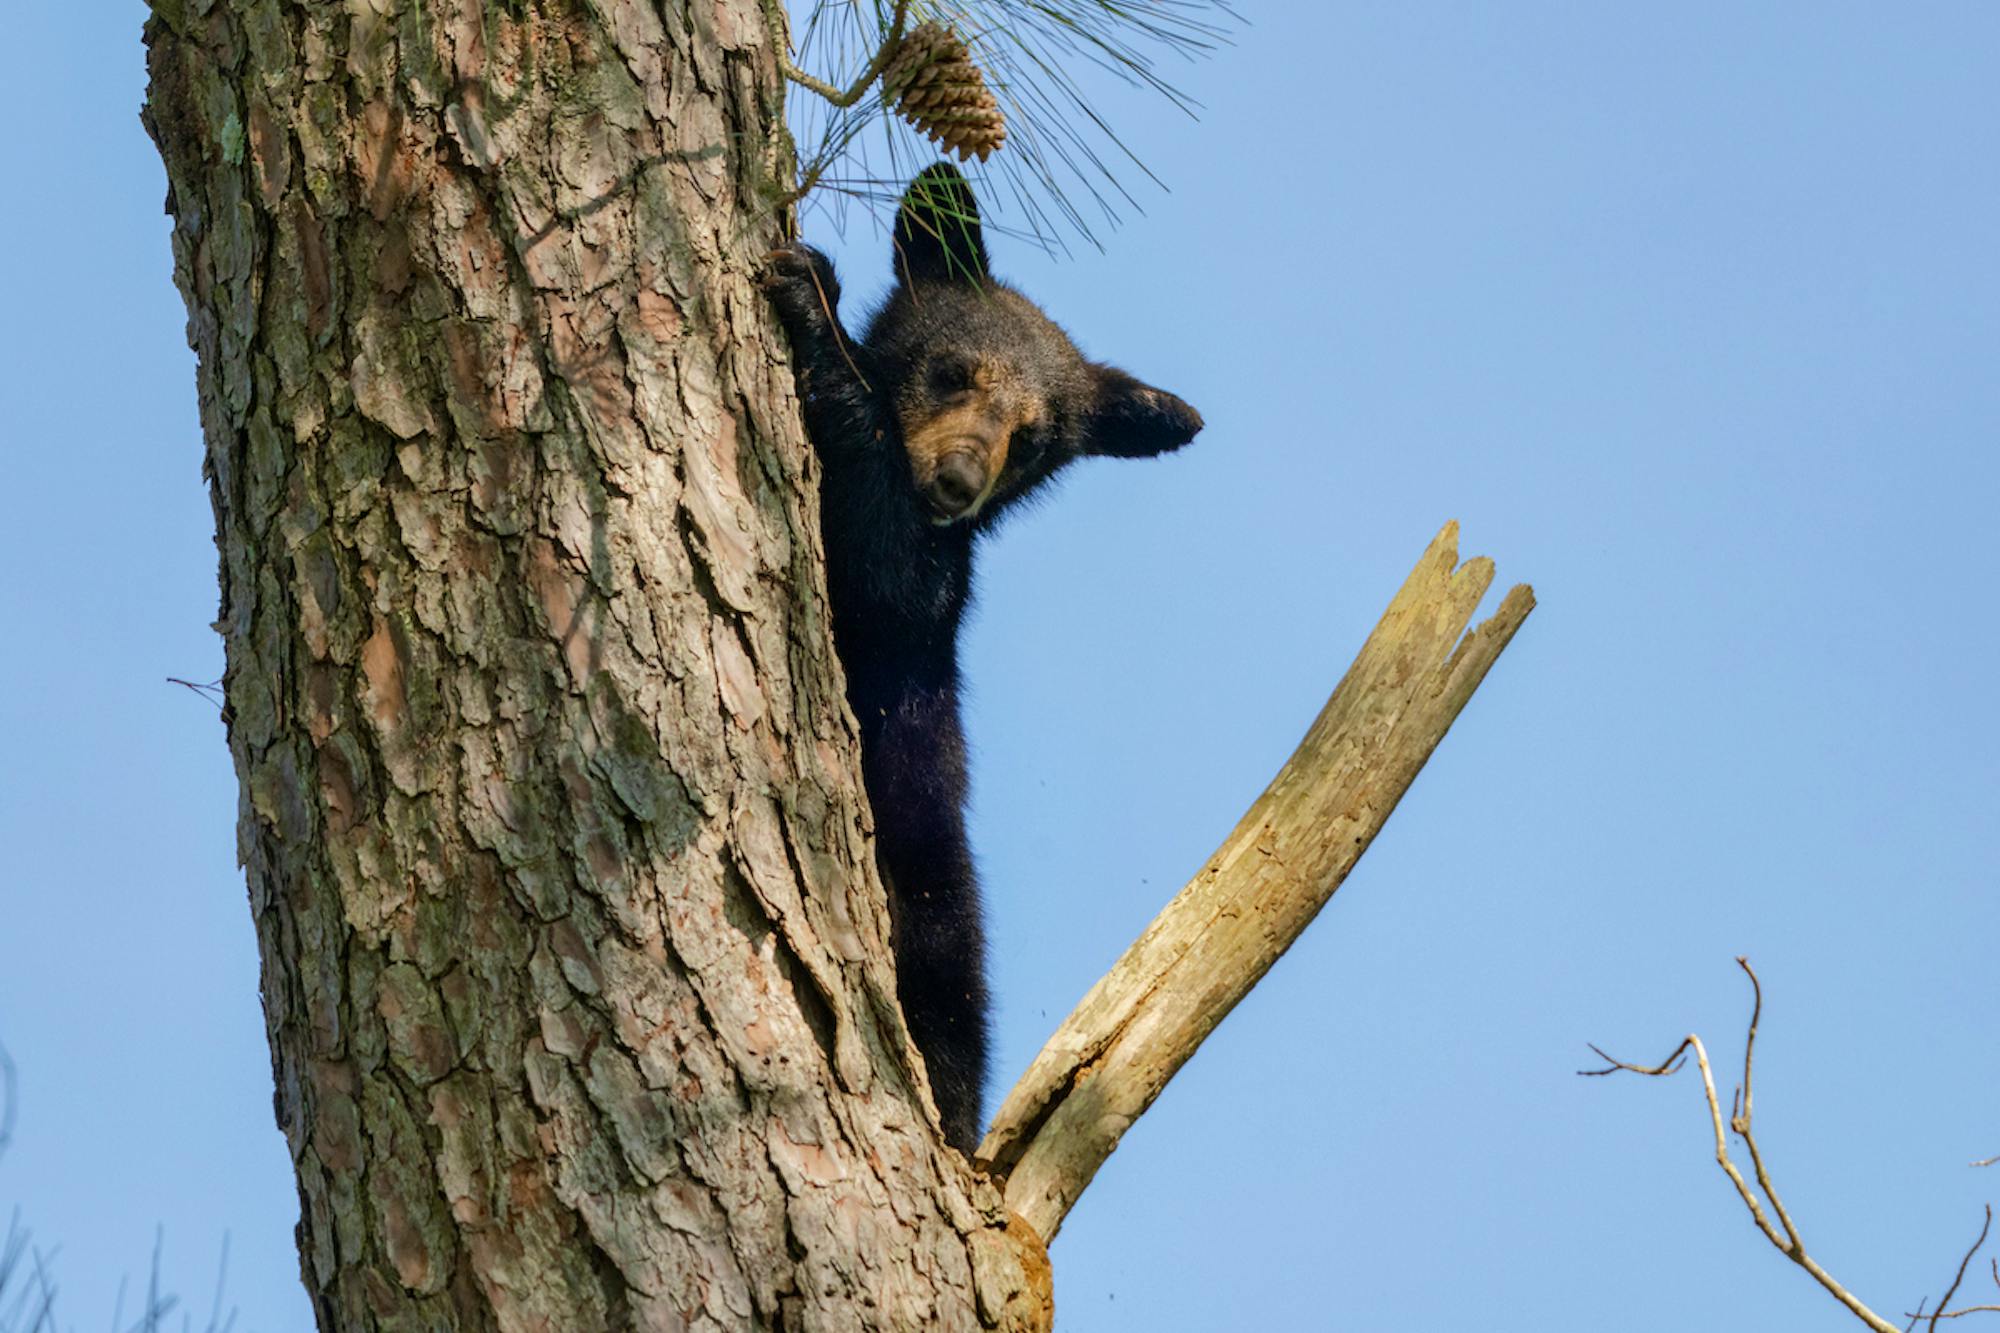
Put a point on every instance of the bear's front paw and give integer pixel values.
(801, 283)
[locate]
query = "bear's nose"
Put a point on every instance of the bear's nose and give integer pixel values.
(956, 487)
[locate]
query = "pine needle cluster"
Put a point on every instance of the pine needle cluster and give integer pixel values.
(1012, 85)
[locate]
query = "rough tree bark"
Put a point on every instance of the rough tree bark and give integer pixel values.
(573, 959)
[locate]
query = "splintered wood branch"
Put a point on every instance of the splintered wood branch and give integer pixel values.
(1257, 893)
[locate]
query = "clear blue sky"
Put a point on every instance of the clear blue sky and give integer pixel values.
(1690, 313)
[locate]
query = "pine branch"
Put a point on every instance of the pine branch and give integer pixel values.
(1065, 166)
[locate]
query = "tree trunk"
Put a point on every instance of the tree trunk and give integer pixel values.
(574, 959)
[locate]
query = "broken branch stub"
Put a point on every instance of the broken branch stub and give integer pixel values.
(1258, 892)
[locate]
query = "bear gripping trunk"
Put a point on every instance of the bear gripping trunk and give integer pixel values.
(575, 962)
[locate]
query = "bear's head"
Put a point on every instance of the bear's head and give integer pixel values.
(991, 396)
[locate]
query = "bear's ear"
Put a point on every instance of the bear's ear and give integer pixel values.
(1134, 420)
(937, 229)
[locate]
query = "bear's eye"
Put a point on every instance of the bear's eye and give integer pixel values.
(950, 375)
(1024, 450)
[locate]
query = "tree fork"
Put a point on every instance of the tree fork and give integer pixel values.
(574, 957)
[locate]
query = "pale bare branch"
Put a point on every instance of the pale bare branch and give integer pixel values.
(1740, 1123)
(1224, 930)
(1787, 1243)
(1671, 1065)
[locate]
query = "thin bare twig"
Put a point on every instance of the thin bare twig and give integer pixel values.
(1956, 1314)
(211, 690)
(1945, 1300)
(1787, 1244)
(1965, 1263)
(1740, 1124)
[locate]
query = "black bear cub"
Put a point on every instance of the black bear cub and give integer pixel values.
(961, 399)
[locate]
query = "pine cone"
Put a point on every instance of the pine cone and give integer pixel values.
(933, 84)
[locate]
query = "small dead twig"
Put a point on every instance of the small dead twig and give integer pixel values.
(1783, 1235)
(212, 691)
(1944, 1301)
(1951, 1314)
(1965, 1263)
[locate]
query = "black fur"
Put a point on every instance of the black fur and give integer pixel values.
(899, 533)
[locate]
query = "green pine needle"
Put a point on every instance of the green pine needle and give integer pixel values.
(1064, 170)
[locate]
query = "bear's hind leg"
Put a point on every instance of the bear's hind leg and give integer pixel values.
(941, 979)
